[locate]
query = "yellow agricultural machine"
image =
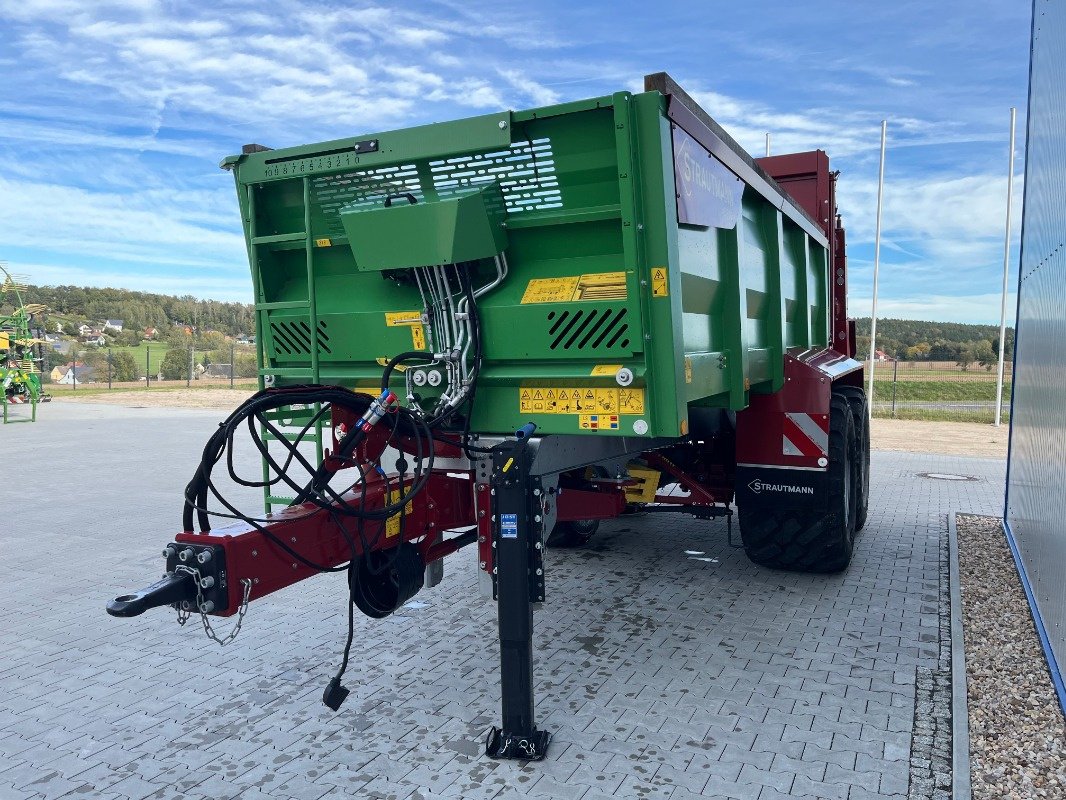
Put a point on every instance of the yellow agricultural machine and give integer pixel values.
(20, 374)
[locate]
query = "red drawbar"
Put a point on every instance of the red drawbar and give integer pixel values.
(319, 536)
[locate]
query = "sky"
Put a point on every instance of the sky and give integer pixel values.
(115, 115)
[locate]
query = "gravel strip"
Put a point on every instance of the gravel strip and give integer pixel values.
(1017, 731)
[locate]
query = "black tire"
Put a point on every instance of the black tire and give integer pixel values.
(807, 541)
(573, 534)
(856, 398)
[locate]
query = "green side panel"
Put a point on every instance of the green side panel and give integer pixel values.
(466, 226)
(580, 201)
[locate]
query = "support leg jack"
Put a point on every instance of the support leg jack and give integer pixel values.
(518, 583)
(505, 745)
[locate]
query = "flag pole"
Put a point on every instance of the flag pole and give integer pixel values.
(877, 267)
(1006, 271)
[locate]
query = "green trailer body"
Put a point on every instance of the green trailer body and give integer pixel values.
(600, 306)
(614, 318)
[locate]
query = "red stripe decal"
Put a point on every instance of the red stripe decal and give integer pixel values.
(800, 439)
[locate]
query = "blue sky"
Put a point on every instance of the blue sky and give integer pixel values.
(114, 115)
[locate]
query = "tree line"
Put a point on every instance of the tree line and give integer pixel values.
(140, 310)
(917, 340)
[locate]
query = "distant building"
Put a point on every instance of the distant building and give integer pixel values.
(150, 333)
(219, 370)
(113, 325)
(71, 374)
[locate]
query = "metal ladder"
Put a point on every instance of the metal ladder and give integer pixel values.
(288, 420)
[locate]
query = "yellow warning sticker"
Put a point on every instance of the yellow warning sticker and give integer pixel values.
(601, 286)
(578, 400)
(605, 369)
(323, 242)
(570, 289)
(688, 370)
(395, 318)
(598, 422)
(392, 524)
(384, 361)
(411, 319)
(658, 282)
(550, 290)
(630, 401)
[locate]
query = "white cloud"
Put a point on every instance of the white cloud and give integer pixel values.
(419, 37)
(945, 213)
(180, 228)
(538, 93)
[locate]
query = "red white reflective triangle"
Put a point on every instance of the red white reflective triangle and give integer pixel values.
(804, 435)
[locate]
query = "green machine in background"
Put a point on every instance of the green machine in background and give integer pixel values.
(20, 376)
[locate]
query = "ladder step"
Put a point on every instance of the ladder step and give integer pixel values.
(279, 237)
(288, 372)
(283, 304)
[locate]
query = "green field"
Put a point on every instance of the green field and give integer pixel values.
(942, 415)
(943, 391)
(154, 350)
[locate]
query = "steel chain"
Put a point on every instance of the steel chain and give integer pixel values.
(184, 615)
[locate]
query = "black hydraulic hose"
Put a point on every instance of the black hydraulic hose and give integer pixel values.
(268, 399)
(409, 355)
(405, 422)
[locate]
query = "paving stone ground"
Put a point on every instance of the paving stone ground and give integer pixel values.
(668, 665)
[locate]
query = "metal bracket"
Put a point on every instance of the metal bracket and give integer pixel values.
(532, 748)
(177, 587)
(210, 561)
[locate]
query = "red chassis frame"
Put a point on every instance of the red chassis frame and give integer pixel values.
(450, 500)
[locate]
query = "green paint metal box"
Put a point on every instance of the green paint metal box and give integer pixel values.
(651, 265)
(466, 226)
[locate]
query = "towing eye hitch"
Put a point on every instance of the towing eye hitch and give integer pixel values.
(174, 587)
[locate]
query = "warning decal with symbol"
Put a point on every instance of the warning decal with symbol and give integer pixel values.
(598, 422)
(576, 400)
(658, 282)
